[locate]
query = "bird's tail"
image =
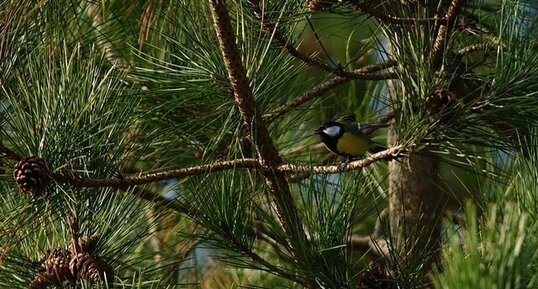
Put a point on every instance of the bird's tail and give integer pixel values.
(370, 127)
(375, 148)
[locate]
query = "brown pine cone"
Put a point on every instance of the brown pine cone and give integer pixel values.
(375, 277)
(31, 175)
(40, 282)
(93, 269)
(88, 244)
(55, 265)
(319, 5)
(54, 269)
(439, 101)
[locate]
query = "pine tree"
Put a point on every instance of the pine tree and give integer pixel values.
(169, 144)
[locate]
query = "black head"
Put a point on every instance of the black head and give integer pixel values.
(329, 133)
(331, 129)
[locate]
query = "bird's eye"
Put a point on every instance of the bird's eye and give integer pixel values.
(332, 130)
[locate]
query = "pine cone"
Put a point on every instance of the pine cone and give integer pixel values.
(31, 175)
(40, 282)
(440, 100)
(54, 269)
(93, 269)
(375, 277)
(55, 265)
(88, 244)
(319, 5)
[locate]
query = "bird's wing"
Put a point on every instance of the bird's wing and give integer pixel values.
(345, 118)
(352, 127)
(371, 126)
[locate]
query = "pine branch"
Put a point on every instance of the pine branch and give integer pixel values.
(75, 233)
(375, 248)
(473, 48)
(386, 18)
(380, 223)
(320, 89)
(317, 147)
(387, 154)
(125, 182)
(442, 32)
(359, 243)
(295, 178)
(280, 39)
(267, 152)
(183, 254)
(381, 122)
(460, 54)
(270, 267)
(262, 234)
(313, 93)
(111, 52)
(160, 202)
(9, 153)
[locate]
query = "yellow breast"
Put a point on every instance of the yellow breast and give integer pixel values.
(353, 144)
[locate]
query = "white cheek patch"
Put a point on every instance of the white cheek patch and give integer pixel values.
(332, 131)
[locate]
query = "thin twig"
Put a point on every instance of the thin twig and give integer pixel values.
(473, 48)
(386, 18)
(442, 32)
(387, 117)
(160, 202)
(324, 87)
(380, 224)
(375, 248)
(305, 97)
(9, 153)
(359, 243)
(183, 254)
(155, 177)
(258, 259)
(280, 39)
(277, 248)
(460, 54)
(75, 234)
(381, 122)
(317, 147)
(262, 233)
(110, 51)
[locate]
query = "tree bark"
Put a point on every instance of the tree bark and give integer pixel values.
(416, 204)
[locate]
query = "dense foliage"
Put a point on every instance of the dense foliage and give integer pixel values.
(179, 147)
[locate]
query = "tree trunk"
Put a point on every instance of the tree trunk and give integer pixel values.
(416, 203)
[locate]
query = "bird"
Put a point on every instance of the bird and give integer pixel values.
(345, 137)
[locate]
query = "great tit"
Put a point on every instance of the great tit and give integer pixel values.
(343, 136)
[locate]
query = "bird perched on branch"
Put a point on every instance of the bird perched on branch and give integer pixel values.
(343, 136)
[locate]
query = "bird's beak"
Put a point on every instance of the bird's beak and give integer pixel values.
(318, 131)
